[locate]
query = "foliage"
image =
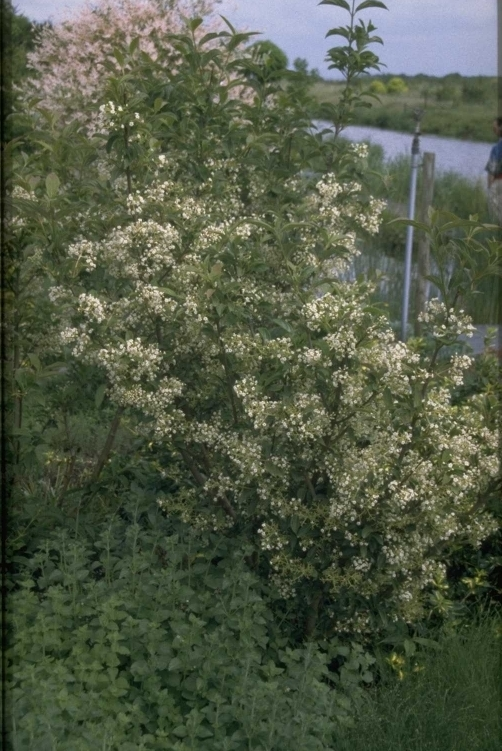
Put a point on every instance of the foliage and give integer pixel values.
(210, 295)
(353, 60)
(141, 633)
(74, 57)
(378, 87)
(447, 112)
(396, 85)
(270, 57)
(449, 701)
(448, 92)
(455, 194)
(19, 39)
(477, 89)
(301, 65)
(179, 287)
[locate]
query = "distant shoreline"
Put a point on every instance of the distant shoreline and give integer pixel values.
(454, 106)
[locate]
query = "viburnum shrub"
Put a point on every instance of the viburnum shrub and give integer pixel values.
(211, 285)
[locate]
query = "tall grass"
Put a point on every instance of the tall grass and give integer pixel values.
(454, 703)
(384, 254)
(452, 192)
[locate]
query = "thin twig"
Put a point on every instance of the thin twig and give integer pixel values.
(201, 480)
(110, 439)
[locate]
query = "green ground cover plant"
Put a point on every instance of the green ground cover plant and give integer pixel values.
(231, 482)
(140, 633)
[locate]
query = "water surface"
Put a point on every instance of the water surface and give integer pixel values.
(467, 158)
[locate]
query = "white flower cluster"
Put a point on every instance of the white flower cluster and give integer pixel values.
(92, 308)
(360, 150)
(130, 360)
(84, 251)
(140, 250)
(111, 117)
(443, 322)
(370, 220)
(458, 365)
(78, 340)
(333, 311)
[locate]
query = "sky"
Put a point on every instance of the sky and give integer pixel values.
(435, 37)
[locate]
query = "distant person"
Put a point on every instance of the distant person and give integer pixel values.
(494, 169)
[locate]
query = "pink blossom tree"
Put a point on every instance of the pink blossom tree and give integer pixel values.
(75, 57)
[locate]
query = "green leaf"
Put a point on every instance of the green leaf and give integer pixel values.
(169, 291)
(238, 39)
(210, 36)
(175, 664)
(427, 642)
(370, 4)
(412, 222)
(41, 452)
(35, 362)
(216, 269)
(388, 398)
(232, 29)
(338, 3)
(417, 397)
(340, 31)
(409, 647)
(52, 185)
(273, 469)
(204, 732)
(194, 23)
(119, 57)
(100, 395)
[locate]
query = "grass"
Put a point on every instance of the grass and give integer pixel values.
(384, 254)
(454, 703)
(457, 118)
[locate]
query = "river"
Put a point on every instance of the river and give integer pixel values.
(467, 158)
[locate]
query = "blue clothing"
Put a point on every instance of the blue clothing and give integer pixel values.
(494, 164)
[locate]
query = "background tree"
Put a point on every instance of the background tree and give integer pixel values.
(273, 61)
(301, 65)
(396, 85)
(74, 58)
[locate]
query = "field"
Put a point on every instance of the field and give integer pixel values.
(455, 107)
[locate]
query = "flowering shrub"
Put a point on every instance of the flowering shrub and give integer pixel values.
(74, 57)
(206, 274)
(285, 401)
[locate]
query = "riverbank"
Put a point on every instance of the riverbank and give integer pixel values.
(461, 108)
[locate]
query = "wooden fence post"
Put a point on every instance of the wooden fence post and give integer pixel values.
(423, 249)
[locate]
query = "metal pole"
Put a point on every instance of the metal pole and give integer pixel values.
(415, 154)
